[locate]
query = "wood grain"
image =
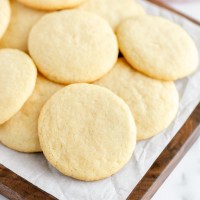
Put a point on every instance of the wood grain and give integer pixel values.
(168, 159)
(175, 150)
(163, 5)
(14, 187)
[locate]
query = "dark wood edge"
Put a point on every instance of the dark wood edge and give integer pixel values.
(15, 187)
(175, 150)
(168, 159)
(163, 5)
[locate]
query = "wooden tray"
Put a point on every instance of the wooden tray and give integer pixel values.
(14, 187)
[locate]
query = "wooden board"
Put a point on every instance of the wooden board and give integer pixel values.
(14, 187)
(168, 159)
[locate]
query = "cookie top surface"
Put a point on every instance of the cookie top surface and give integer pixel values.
(21, 22)
(86, 132)
(113, 11)
(17, 81)
(153, 103)
(159, 48)
(51, 5)
(4, 16)
(73, 46)
(21, 131)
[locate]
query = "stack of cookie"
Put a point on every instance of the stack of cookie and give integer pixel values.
(86, 107)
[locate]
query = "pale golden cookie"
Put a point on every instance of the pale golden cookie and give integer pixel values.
(153, 103)
(22, 20)
(21, 131)
(51, 4)
(86, 132)
(4, 16)
(73, 46)
(17, 81)
(157, 47)
(114, 11)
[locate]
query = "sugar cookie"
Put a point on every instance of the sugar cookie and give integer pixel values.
(73, 46)
(153, 103)
(17, 81)
(51, 4)
(22, 20)
(21, 131)
(113, 11)
(4, 16)
(86, 132)
(157, 47)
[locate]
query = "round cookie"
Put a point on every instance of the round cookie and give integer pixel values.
(86, 132)
(73, 46)
(17, 81)
(51, 5)
(153, 103)
(113, 11)
(21, 131)
(22, 20)
(4, 16)
(159, 48)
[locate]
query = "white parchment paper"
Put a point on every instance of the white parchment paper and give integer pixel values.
(36, 169)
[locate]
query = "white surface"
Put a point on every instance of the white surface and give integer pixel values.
(183, 183)
(2, 198)
(36, 169)
(190, 7)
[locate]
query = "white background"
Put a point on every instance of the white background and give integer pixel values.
(184, 182)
